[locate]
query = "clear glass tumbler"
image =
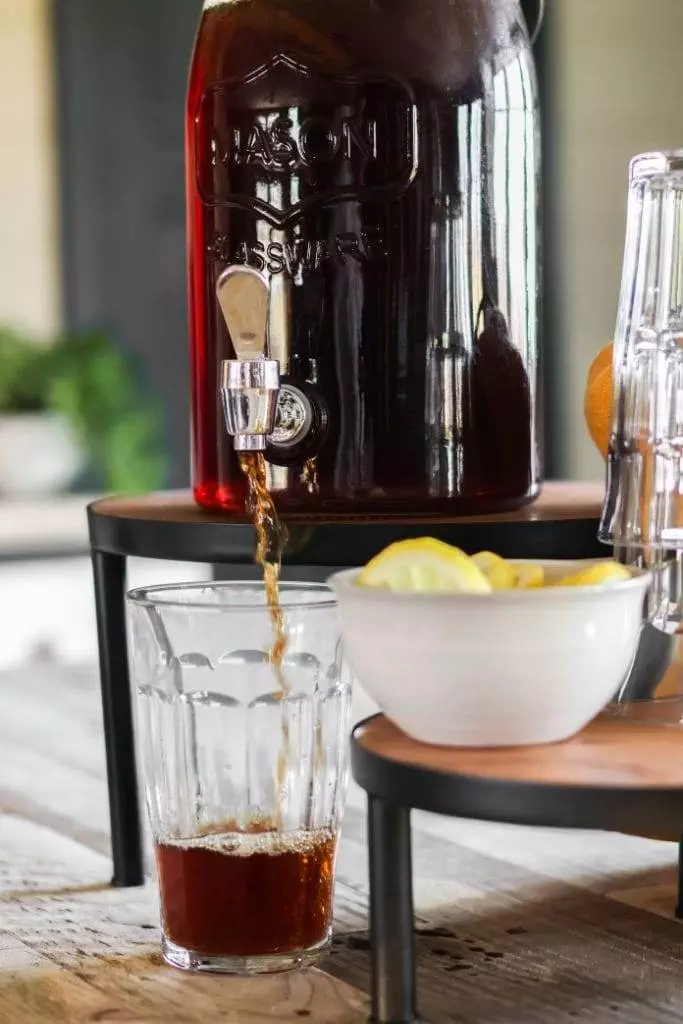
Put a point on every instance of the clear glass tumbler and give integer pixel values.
(245, 769)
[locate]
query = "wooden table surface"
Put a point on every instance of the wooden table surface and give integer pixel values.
(516, 925)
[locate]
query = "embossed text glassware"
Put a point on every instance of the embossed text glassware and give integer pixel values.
(245, 769)
(377, 161)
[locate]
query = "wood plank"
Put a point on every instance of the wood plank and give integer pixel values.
(99, 992)
(72, 929)
(61, 793)
(607, 862)
(477, 909)
(501, 943)
(71, 948)
(515, 925)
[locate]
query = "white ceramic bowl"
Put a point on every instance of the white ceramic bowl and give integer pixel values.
(489, 670)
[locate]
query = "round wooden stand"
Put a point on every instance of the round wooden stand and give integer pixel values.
(616, 774)
(562, 523)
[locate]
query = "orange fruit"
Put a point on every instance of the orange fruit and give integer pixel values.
(603, 359)
(597, 405)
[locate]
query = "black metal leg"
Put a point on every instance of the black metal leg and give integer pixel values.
(391, 913)
(679, 901)
(124, 813)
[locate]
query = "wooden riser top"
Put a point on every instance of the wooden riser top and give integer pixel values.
(559, 500)
(610, 752)
(616, 775)
(561, 523)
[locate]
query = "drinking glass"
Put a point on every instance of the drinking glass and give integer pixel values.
(642, 516)
(644, 505)
(245, 769)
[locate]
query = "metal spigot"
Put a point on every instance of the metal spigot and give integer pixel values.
(250, 389)
(250, 384)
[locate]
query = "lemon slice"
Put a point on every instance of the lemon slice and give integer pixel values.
(500, 574)
(529, 576)
(424, 565)
(603, 572)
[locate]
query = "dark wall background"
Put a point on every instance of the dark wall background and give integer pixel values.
(122, 69)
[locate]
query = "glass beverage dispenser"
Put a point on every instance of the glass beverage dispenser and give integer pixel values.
(375, 163)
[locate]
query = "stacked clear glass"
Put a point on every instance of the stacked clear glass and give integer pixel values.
(643, 512)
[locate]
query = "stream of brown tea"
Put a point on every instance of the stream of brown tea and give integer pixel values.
(271, 536)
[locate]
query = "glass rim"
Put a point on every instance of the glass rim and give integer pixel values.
(653, 164)
(157, 596)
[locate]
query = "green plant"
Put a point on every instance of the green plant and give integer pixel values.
(97, 387)
(22, 374)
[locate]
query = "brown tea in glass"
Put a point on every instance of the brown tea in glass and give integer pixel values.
(377, 161)
(250, 894)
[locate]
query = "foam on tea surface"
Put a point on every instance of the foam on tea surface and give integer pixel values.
(248, 844)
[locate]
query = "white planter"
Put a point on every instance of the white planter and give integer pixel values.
(39, 454)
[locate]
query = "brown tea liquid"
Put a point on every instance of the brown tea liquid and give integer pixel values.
(251, 894)
(271, 537)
